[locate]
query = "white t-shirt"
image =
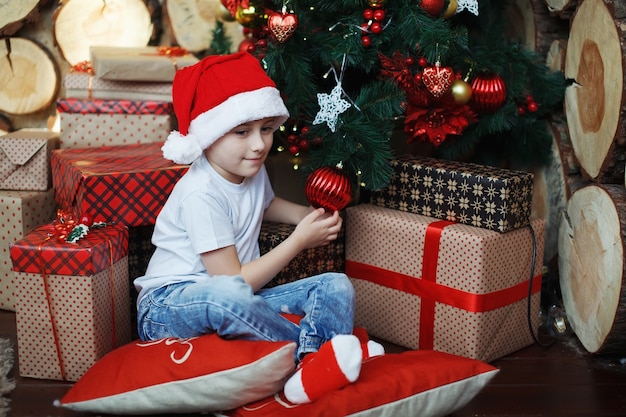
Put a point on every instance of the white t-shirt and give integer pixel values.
(205, 212)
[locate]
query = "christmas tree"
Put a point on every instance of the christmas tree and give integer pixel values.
(441, 71)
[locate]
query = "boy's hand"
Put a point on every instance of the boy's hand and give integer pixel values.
(318, 228)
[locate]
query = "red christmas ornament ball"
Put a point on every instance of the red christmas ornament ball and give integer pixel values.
(488, 93)
(433, 7)
(247, 45)
(328, 187)
(85, 219)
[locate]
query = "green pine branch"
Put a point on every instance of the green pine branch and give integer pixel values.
(329, 38)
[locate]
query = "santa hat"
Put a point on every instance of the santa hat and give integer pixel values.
(215, 95)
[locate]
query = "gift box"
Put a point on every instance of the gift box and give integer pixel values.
(87, 86)
(25, 159)
(140, 250)
(22, 211)
(426, 283)
(313, 261)
(93, 123)
(72, 300)
(482, 196)
(126, 184)
(149, 63)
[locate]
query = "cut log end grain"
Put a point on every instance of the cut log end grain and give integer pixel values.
(591, 267)
(191, 23)
(80, 24)
(14, 14)
(593, 105)
(29, 76)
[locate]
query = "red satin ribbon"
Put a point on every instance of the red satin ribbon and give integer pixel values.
(430, 292)
(171, 52)
(60, 229)
(429, 274)
(55, 333)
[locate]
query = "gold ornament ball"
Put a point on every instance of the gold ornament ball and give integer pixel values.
(376, 3)
(251, 16)
(461, 91)
(224, 14)
(451, 10)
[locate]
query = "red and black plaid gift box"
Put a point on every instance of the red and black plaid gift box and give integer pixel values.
(72, 300)
(91, 123)
(125, 184)
(477, 195)
(327, 258)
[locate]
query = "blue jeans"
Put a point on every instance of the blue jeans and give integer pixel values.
(227, 306)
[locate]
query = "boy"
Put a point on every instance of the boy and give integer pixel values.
(206, 274)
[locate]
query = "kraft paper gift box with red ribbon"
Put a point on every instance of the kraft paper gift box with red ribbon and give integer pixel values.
(150, 63)
(126, 184)
(92, 123)
(425, 283)
(482, 196)
(25, 159)
(72, 299)
(312, 261)
(88, 86)
(21, 211)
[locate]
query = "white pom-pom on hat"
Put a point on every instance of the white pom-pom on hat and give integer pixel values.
(181, 149)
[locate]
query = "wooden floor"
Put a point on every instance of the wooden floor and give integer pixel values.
(560, 381)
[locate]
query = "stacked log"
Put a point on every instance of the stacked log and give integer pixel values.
(592, 228)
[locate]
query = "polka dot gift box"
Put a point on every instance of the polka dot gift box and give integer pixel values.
(309, 262)
(482, 196)
(426, 283)
(72, 299)
(20, 212)
(83, 85)
(25, 159)
(92, 123)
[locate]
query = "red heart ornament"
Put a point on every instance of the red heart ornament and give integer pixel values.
(437, 79)
(282, 25)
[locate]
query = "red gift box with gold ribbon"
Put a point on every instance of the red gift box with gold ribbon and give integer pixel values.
(425, 283)
(126, 184)
(72, 299)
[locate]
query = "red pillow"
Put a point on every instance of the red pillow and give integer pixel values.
(414, 383)
(205, 373)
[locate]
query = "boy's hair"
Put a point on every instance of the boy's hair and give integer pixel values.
(215, 95)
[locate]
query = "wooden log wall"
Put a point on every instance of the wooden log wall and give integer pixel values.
(592, 228)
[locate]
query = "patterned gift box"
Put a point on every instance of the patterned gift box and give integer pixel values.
(93, 123)
(72, 300)
(328, 258)
(87, 86)
(125, 184)
(425, 283)
(149, 63)
(482, 196)
(22, 211)
(140, 250)
(25, 159)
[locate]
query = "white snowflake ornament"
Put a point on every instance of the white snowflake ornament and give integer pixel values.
(469, 5)
(331, 106)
